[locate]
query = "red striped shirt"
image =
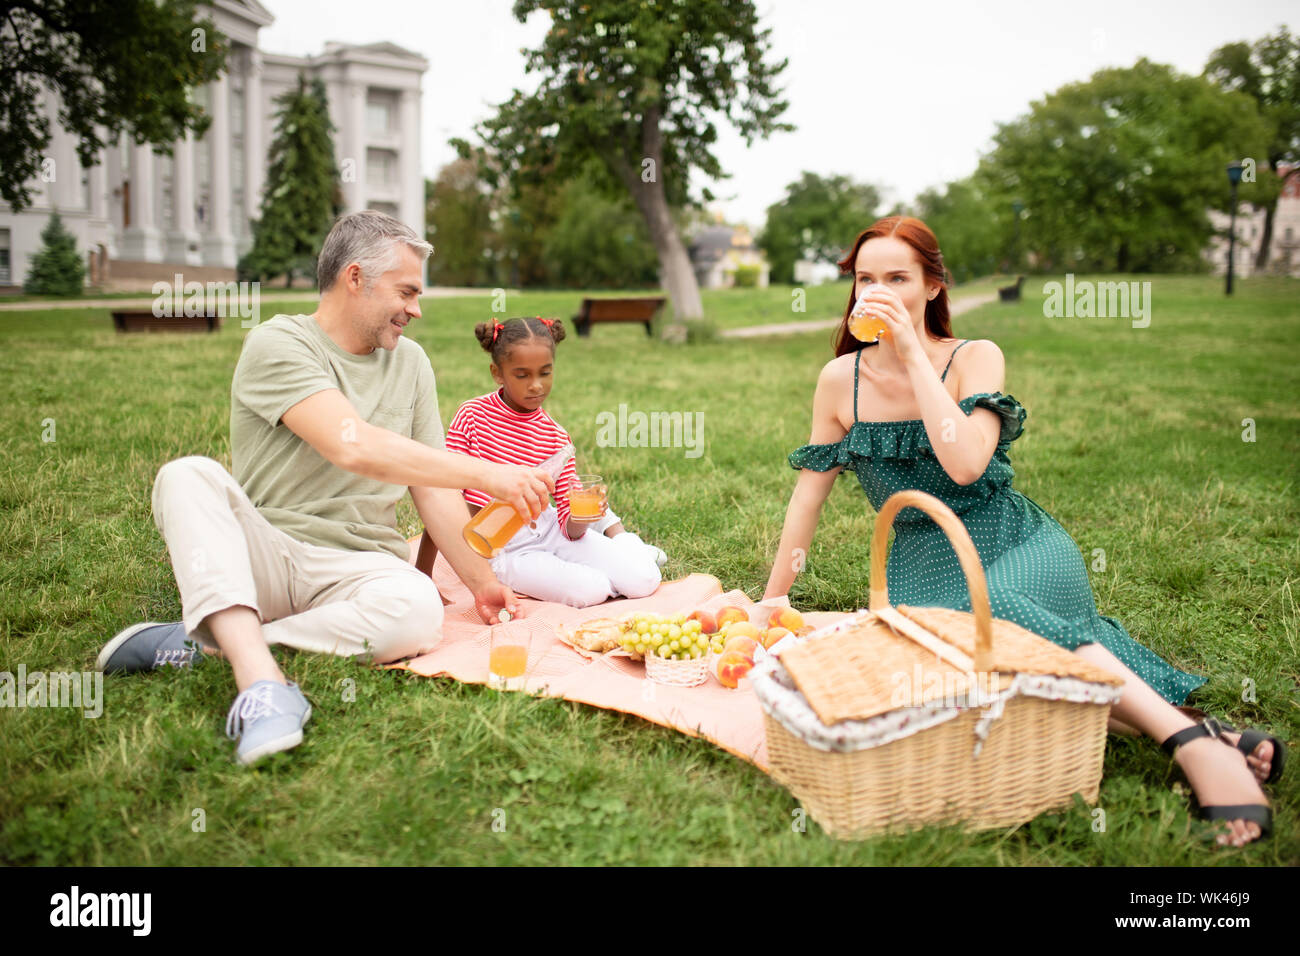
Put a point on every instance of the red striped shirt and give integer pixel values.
(486, 427)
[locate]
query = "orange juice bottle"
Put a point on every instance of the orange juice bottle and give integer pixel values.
(492, 528)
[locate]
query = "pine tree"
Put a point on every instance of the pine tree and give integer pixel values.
(57, 269)
(302, 196)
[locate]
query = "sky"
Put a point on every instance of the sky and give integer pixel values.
(902, 95)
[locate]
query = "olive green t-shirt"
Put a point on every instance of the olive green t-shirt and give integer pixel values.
(287, 359)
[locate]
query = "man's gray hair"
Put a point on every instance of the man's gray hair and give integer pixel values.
(368, 238)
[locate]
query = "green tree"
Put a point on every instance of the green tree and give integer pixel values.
(598, 242)
(301, 197)
(57, 268)
(1269, 72)
(640, 85)
(1117, 172)
(974, 235)
(818, 219)
(115, 64)
(460, 209)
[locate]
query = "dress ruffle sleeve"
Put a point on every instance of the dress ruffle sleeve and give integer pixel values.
(1012, 413)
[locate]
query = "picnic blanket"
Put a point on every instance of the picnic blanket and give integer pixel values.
(730, 719)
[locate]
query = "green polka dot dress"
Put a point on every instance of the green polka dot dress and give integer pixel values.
(1036, 576)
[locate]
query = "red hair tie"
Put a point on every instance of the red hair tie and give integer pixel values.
(496, 330)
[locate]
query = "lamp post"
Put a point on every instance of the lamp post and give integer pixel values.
(1017, 207)
(1234, 177)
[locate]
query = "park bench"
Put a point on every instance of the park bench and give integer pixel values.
(142, 320)
(617, 310)
(1011, 293)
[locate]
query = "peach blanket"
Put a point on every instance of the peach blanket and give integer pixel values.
(731, 719)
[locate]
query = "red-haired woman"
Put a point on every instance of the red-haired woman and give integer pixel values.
(920, 409)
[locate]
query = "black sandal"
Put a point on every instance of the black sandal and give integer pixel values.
(1252, 738)
(1257, 813)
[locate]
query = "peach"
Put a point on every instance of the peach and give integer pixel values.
(788, 618)
(731, 666)
(740, 629)
(728, 614)
(743, 645)
(772, 635)
(708, 621)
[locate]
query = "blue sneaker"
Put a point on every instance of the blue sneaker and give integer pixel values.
(148, 646)
(266, 718)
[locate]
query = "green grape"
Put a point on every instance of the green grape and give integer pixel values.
(642, 627)
(664, 651)
(697, 653)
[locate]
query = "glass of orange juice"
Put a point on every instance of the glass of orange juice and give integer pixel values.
(508, 654)
(587, 496)
(863, 327)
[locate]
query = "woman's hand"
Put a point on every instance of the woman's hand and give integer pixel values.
(883, 302)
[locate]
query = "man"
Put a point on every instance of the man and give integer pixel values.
(333, 417)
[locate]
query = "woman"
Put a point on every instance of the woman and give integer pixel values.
(920, 409)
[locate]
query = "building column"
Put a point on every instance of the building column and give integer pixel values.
(219, 244)
(411, 205)
(183, 241)
(354, 136)
(254, 148)
(142, 240)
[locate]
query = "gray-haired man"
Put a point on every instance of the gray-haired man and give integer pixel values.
(333, 417)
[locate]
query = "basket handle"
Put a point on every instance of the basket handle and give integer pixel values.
(969, 558)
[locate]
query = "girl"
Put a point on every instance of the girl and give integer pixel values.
(562, 558)
(886, 412)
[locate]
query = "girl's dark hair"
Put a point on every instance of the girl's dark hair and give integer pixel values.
(500, 337)
(917, 235)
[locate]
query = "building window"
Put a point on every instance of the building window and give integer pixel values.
(381, 167)
(387, 208)
(1288, 233)
(379, 115)
(6, 277)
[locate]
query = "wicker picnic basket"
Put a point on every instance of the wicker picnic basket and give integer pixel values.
(900, 717)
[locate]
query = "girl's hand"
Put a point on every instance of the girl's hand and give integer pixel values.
(883, 302)
(578, 526)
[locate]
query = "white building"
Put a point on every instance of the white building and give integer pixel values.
(1284, 248)
(140, 216)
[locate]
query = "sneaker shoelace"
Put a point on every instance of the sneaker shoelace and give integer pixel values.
(250, 705)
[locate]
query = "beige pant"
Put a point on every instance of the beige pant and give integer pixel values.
(224, 553)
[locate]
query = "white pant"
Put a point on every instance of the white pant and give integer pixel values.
(224, 553)
(542, 563)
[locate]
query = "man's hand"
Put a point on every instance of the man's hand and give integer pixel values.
(528, 490)
(490, 599)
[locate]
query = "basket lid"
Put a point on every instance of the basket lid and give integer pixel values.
(911, 657)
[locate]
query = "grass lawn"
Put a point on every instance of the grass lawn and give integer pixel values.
(1134, 442)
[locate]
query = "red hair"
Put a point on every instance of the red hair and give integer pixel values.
(917, 235)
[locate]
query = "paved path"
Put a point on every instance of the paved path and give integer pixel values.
(956, 308)
(144, 302)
